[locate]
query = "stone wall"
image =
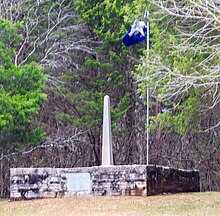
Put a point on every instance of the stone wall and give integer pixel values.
(169, 180)
(29, 183)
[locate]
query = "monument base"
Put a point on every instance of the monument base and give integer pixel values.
(129, 180)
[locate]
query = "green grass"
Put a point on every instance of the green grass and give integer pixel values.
(198, 204)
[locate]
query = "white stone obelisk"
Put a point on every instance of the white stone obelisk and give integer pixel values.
(107, 156)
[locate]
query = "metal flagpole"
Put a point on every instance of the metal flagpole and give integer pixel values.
(147, 90)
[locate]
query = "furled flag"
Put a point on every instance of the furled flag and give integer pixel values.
(136, 34)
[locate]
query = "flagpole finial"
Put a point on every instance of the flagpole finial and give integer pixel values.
(146, 13)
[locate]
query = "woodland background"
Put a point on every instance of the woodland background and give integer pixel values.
(58, 58)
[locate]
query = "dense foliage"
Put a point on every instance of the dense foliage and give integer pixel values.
(21, 92)
(72, 50)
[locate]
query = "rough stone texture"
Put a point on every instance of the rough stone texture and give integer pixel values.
(29, 183)
(162, 179)
(119, 180)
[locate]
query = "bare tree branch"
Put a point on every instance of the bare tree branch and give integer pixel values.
(197, 27)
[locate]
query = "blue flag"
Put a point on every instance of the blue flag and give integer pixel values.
(134, 39)
(136, 34)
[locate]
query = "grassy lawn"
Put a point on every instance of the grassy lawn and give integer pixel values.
(167, 205)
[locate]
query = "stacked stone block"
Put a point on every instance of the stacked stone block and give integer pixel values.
(126, 180)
